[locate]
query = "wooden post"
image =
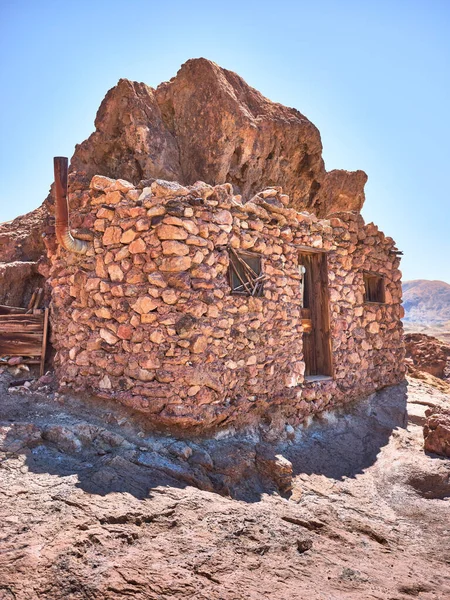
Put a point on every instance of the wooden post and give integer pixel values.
(44, 343)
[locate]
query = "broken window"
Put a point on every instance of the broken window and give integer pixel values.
(373, 287)
(315, 313)
(245, 273)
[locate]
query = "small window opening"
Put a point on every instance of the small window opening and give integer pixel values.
(373, 288)
(245, 273)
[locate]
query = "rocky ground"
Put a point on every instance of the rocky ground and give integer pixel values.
(94, 507)
(442, 333)
(428, 359)
(428, 354)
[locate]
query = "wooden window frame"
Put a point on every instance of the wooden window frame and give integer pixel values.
(380, 285)
(251, 282)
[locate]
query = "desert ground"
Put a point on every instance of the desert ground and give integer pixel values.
(94, 507)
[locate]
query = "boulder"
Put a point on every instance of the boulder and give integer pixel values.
(436, 431)
(274, 467)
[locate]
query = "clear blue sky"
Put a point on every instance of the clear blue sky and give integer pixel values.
(373, 75)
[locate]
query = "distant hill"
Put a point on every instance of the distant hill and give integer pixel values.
(427, 303)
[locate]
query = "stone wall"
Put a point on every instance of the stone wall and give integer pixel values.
(148, 318)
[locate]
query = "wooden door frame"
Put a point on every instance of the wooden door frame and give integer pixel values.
(319, 313)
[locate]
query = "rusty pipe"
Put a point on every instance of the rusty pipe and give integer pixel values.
(62, 229)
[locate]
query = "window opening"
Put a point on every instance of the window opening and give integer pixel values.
(245, 273)
(373, 287)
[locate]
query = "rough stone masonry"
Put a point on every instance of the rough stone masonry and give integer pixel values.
(148, 317)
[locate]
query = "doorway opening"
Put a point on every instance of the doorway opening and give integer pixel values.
(315, 316)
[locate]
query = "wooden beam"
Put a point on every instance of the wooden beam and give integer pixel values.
(11, 310)
(327, 341)
(44, 343)
(21, 323)
(20, 344)
(39, 294)
(309, 249)
(31, 302)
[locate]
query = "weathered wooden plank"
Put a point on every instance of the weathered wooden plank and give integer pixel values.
(21, 323)
(327, 341)
(315, 315)
(309, 338)
(309, 249)
(32, 299)
(308, 352)
(27, 318)
(243, 282)
(21, 344)
(23, 316)
(44, 343)
(31, 336)
(39, 294)
(11, 310)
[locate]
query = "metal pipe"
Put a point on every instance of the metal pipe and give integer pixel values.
(63, 235)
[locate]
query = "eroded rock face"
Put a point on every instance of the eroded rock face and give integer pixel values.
(21, 248)
(18, 281)
(340, 191)
(208, 124)
(131, 140)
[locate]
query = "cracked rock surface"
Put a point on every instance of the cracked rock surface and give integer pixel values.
(94, 507)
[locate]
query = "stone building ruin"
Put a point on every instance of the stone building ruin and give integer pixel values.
(228, 279)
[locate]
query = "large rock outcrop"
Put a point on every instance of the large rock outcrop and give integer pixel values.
(207, 124)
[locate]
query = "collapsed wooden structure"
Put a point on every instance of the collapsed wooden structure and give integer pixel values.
(24, 331)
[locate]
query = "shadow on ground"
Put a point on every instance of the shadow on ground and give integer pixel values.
(107, 458)
(348, 441)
